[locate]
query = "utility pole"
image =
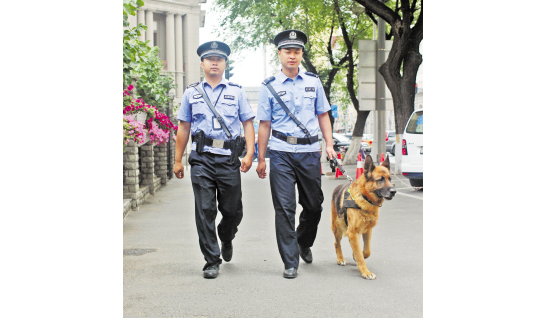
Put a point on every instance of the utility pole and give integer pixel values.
(379, 115)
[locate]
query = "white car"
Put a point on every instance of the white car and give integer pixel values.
(412, 149)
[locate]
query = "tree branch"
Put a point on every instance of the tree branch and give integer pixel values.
(380, 9)
(370, 15)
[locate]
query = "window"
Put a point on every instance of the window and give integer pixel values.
(415, 125)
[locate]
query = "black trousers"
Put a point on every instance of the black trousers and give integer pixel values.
(286, 170)
(214, 181)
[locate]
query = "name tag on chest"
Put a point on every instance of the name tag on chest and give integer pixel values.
(197, 96)
(229, 97)
(310, 89)
(216, 124)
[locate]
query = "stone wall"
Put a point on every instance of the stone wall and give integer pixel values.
(145, 170)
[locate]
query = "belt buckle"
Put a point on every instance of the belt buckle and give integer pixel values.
(292, 140)
(218, 143)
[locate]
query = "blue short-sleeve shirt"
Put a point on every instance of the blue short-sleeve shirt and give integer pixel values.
(304, 97)
(231, 103)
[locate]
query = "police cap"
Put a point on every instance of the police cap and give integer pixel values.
(290, 39)
(213, 48)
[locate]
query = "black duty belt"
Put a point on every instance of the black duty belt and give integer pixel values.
(216, 143)
(295, 140)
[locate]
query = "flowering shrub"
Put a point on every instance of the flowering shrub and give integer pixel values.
(158, 124)
(132, 130)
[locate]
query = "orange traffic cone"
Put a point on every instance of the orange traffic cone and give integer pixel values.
(382, 157)
(359, 166)
(338, 172)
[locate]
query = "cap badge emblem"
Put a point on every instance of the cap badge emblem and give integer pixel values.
(214, 45)
(292, 35)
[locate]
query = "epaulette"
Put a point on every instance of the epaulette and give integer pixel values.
(234, 84)
(193, 85)
(311, 74)
(268, 80)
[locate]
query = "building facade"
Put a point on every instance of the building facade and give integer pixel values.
(173, 26)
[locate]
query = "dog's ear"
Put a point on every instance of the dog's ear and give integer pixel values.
(386, 162)
(368, 166)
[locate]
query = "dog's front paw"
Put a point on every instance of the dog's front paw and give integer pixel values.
(366, 254)
(368, 275)
(341, 262)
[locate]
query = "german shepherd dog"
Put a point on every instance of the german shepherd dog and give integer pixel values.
(355, 212)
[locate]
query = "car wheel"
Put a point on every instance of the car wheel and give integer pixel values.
(417, 183)
(393, 151)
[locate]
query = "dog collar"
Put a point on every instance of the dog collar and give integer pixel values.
(366, 199)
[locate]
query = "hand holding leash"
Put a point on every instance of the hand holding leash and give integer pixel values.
(336, 163)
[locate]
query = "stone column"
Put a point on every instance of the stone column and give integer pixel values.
(149, 28)
(179, 66)
(141, 20)
(132, 20)
(160, 162)
(191, 33)
(169, 32)
(131, 174)
(147, 166)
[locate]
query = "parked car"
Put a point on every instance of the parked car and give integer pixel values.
(340, 142)
(366, 148)
(348, 136)
(390, 142)
(412, 149)
(368, 138)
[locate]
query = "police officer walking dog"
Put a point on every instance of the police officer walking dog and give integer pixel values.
(293, 104)
(212, 110)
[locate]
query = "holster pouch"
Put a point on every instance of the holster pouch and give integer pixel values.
(237, 145)
(200, 139)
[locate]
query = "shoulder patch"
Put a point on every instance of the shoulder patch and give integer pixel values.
(311, 74)
(234, 84)
(193, 85)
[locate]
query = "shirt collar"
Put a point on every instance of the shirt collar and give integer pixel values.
(223, 82)
(283, 76)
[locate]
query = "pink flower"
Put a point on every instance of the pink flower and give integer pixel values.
(128, 108)
(130, 87)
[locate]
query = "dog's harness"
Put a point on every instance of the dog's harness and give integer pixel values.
(351, 204)
(348, 204)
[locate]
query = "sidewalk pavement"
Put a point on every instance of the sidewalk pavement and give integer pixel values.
(162, 263)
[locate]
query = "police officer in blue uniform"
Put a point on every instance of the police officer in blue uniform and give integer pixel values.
(216, 147)
(294, 148)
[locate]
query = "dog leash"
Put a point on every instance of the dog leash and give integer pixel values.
(336, 163)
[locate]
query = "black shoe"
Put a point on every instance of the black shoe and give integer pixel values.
(290, 272)
(306, 254)
(226, 250)
(212, 271)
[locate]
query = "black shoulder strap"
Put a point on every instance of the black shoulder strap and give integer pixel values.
(311, 74)
(267, 83)
(219, 118)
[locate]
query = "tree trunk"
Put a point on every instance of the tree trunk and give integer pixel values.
(351, 156)
(404, 55)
